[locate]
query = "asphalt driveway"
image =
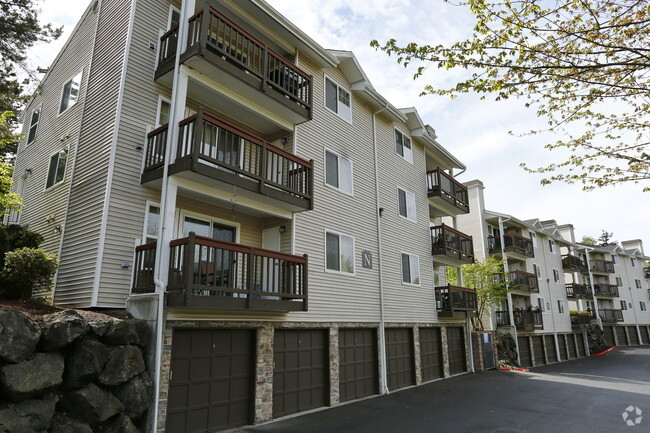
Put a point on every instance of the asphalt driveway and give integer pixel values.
(583, 395)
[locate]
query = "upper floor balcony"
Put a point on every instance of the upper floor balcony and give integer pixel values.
(455, 302)
(210, 149)
(573, 263)
(451, 246)
(610, 315)
(519, 246)
(529, 319)
(446, 194)
(206, 273)
(646, 271)
(602, 266)
(576, 290)
(605, 290)
(580, 320)
(221, 49)
(523, 281)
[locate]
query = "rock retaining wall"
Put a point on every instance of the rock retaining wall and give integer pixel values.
(72, 372)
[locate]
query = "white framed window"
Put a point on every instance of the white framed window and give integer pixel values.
(151, 223)
(338, 100)
(406, 204)
(33, 125)
(56, 171)
(642, 306)
(623, 304)
(410, 269)
(533, 237)
(164, 108)
(174, 17)
(70, 93)
(537, 270)
(615, 259)
(541, 303)
(551, 245)
(339, 253)
(556, 275)
(403, 146)
(619, 281)
(560, 306)
(338, 172)
(633, 261)
(637, 283)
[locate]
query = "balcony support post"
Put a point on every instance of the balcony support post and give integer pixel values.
(304, 282)
(188, 268)
(197, 138)
(250, 268)
(205, 27)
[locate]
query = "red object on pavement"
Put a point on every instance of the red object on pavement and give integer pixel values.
(604, 351)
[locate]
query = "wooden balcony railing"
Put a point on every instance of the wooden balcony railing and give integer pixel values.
(168, 46)
(208, 273)
(224, 152)
(525, 320)
(598, 265)
(576, 290)
(646, 272)
(448, 242)
(574, 263)
(441, 184)
(513, 243)
(610, 315)
(525, 281)
(609, 290)
(451, 300)
(579, 320)
(503, 318)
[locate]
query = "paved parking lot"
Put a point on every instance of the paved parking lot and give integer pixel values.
(583, 395)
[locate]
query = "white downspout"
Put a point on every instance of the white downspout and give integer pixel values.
(382, 332)
(511, 315)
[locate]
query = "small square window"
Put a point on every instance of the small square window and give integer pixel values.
(70, 93)
(633, 260)
(637, 283)
(338, 100)
(56, 172)
(406, 204)
(403, 146)
(619, 281)
(615, 259)
(410, 269)
(339, 253)
(556, 275)
(152, 223)
(536, 270)
(33, 125)
(541, 304)
(533, 237)
(551, 245)
(338, 172)
(642, 306)
(560, 306)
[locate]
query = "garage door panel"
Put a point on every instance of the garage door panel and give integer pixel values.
(633, 335)
(524, 352)
(456, 350)
(645, 335)
(358, 374)
(620, 334)
(431, 354)
(538, 349)
(572, 346)
(399, 353)
(551, 352)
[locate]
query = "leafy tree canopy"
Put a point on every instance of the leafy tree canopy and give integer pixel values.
(8, 200)
(582, 64)
(588, 240)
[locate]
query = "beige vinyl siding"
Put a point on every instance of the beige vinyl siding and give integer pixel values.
(81, 241)
(548, 288)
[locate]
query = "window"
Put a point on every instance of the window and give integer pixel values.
(403, 146)
(615, 259)
(338, 172)
(339, 253)
(560, 306)
(56, 171)
(337, 100)
(642, 306)
(536, 270)
(633, 260)
(164, 108)
(33, 125)
(151, 223)
(70, 93)
(410, 269)
(406, 204)
(556, 275)
(551, 245)
(533, 237)
(623, 304)
(619, 281)
(637, 283)
(541, 303)
(174, 17)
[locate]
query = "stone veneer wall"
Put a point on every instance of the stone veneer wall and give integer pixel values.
(264, 356)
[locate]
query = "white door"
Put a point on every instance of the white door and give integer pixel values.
(271, 267)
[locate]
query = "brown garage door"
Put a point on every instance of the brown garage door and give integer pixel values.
(633, 335)
(524, 352)
(431, 354)
(580, 341)
(573, 351)
(300, 373)
(358, 375)
(561, 341)
(211, 382)
(456, 350)
(538, 349)
(620, 335)
(645, 335)
(609, 335)
(551, 353)
(399, 357)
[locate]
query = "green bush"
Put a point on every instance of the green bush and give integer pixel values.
(26, 269)
(13, 237)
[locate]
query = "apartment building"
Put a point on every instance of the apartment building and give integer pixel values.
(211, 168)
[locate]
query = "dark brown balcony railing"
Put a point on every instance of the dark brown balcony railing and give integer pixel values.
(446, 241)
(209, 273)
(452, 301)
(441, 184)
(525, 281)
(168, 46)
(503, 318)
(575, 290)
(579, 320)
(513, 243)
(525, 320)
(573, 263)
(609, 290)
(598, 265)
(610, 315)
(224, 152)
(646, 272)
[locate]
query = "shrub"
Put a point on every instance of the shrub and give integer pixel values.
(13, 237)
(26, 269)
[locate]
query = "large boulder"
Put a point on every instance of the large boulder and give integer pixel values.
(30, 378)
(18, 336)
(92, 404)
(135, 395)
(507, 349)
(27, 416)
(72, 428)
(83, 363)
(61, 329)
(128, 331)
(119, 424)
(124, 363)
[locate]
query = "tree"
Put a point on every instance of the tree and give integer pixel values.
(9, 200)
(588, 240)
(488, 279)
(582, 64)
(605, 239)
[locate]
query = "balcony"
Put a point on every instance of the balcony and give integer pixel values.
(455, 302)
(220, 49)
(525, 320)
(575, 290)
(581, 320)
(646, 272)
(573, 263)
(519, 245)
(610, 315)
(523, 281)
(206, 273)
(606, 290)
(210, 148)
(602, 266)
(447, 194)
(450, 245)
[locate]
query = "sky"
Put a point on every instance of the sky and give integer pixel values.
(476, 132)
